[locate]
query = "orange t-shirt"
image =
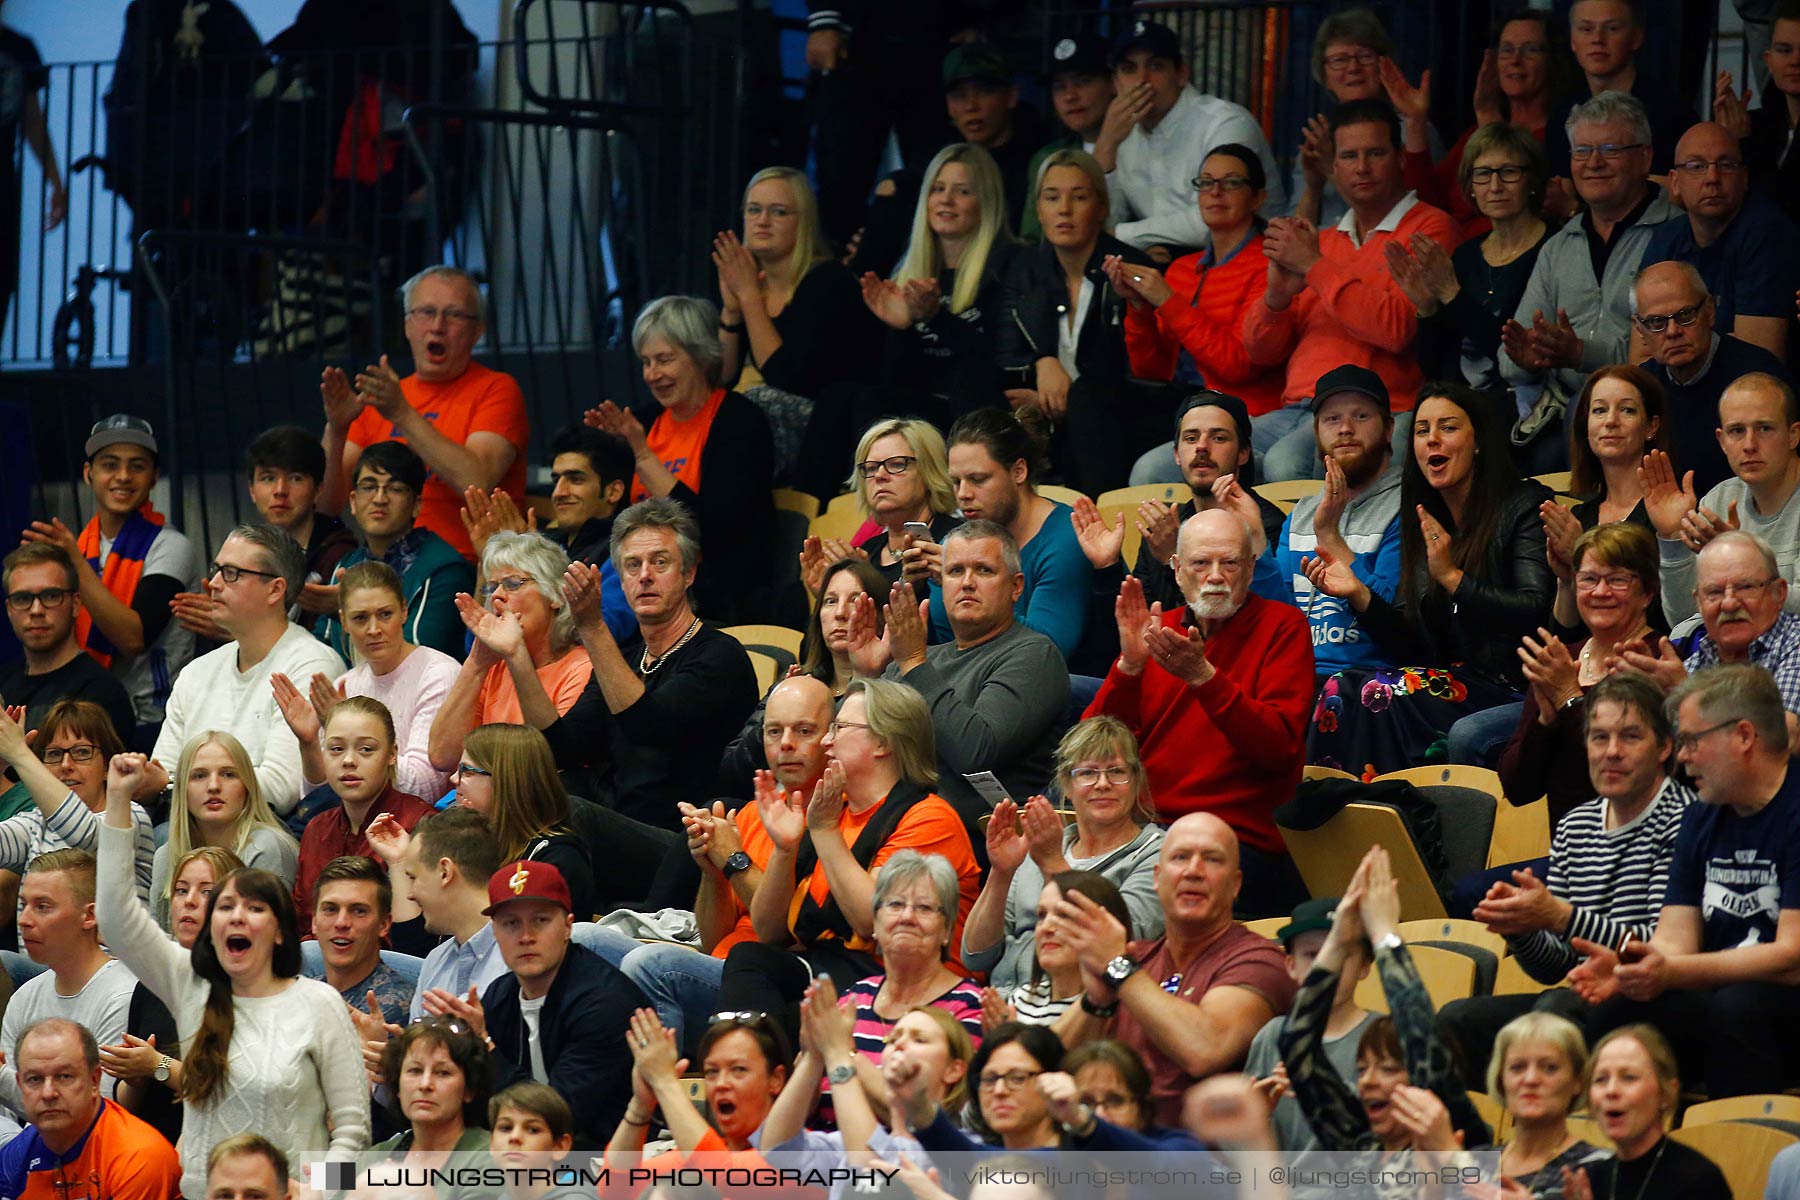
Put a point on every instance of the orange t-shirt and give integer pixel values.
(931, 827)
(678, 444)
(477, 401)
(563, 678)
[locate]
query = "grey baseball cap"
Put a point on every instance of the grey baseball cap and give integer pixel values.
(121, 429)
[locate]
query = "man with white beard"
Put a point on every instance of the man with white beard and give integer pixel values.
(1218, 694)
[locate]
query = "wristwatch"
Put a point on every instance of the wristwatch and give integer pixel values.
(739, 861)
(1102, 1011)
(1391, 942)
(1119, 970)
(161, 1074)
(841, 1074)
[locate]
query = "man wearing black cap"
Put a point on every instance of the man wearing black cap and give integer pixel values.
(1354, 519)
(1081, 88)
(129, 564)
(1212, 441)
(562, 1013)
(1300, 939)
(1157, 131)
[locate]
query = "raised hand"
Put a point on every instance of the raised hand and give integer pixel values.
(1547, 663)
(440, 1002)
(1521, 907)
(1595, 977)
(654, 1055)
(996, 1010)
(1409, 276)
(833, 1021)
(1665, 666)
(123, 774)
(131, 1058)
(388, 838)
(1043, 832)
(738, 270)
(297, 710)
(1665, 501)
(1292, 243)
(908, 620)
(1730, 109)
(1562, 529)
(1412, 103)
(1334, 576)
(1235, 497)
(621, 421)
(1007, 845)
(1701, 525)
(1063, 1099)
(1489, 101)
(868, 649)
(1557, 342)
(1102, 545)
(1273, 1086)
(1333, 499)
(1142, 286)
(1436, 267)
(923, 299)
(379, 387)
(1381, 900)
(1423, 1115)
(783, 812)
(503, 634)
(582, 594)
(1515, 339)
(342, 404)
(15, 744)
(1440, 546)
(885, 299)
(828, 798)
(1134, 620)
(485, 514)
(1315, 150)
(53, 532)
(1160, 527)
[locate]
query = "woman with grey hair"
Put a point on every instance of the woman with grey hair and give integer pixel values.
(707, 447)
(916, 902)
(526, 666)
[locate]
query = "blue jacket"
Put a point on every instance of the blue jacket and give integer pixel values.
(432, 572)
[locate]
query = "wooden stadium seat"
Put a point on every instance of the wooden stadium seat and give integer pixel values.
(766, 671)
(1126, 500)
(1741, 1150)
(1266, 926)
(1315, 771)
(1511, 980)
(1470, 933)
(1451, 774)
(1521, 832)
(1446, 974)
(1327, 856)
(1743, 1108)
(797, 501)
(1288, 492)
(1060, 494)
(1588, 1130)
(1494, 1113)
(1556, 481)
(778, 643)
(840, 519)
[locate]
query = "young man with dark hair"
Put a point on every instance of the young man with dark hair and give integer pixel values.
(1081, 90)
(352, 911)
(130, 567)
(43, 603)
(384, 499)
(286, 466)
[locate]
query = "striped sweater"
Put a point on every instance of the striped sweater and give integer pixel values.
(1614, 878)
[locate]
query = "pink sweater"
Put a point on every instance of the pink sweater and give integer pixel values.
(413, 693)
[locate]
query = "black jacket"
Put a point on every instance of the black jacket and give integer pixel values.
(581, 1032)
(1037, 297)
(1770, 173)
(1504, 597)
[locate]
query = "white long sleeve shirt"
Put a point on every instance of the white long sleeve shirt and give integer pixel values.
(1152, 184)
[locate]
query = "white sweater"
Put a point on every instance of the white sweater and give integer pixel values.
(211, 693)
(295, 1065)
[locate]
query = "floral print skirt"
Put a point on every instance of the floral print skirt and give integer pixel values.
(1370, 722)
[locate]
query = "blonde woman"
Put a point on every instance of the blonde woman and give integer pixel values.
(944, 302)
(902, 475)
(791, 318)
(224, 807)
(1062, 337)
(1537, 1071)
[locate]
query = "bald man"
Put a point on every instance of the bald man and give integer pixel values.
(731, 849)
(1742, 243)
(1759, 431)
(1693, 362)
(1218, 692)
(1191, 1001)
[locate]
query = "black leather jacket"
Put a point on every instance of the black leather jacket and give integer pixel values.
(1037, 297)
(1507, 595)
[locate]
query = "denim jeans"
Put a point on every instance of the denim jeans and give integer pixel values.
(683, 986)
(1479, 738)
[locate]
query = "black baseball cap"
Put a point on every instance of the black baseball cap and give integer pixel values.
(1240, 412)
(1080, 54)
(1153, 36)
(1351, 378)
(975, 62)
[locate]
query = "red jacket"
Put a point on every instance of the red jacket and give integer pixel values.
(1352, 311)
(1234, 746)
(1205, 317)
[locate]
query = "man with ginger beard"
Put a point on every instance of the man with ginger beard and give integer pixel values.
(1218, 693)
(731, 848)
(1355, 518)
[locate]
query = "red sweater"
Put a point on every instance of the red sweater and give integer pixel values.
(1205, 317)
(328, 836)
(1352, 311)
(1235, 745)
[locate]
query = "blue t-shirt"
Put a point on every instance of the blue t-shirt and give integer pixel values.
(1750, 270)
(1058, 577)
(1740, 872)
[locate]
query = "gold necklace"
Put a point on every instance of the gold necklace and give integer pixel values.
(647, 668)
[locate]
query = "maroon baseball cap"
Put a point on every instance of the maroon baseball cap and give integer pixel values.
(527, 880)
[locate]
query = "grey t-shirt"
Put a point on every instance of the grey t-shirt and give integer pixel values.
(101, 1006)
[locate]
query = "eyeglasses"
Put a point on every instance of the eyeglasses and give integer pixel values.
(1088, 776)
(1610, 151)
(1715, 593)
(391, 487)
(509, 585)
(1659, 322)
(1687, 741)
(901, 908)
(838, 727)
(1618, 581)
(225, 571)
(1699, 166)
(82, 753)
(1014, 1080)
(429, 314)
(900, 464)
(48, 597)
(1522, 50)
(776, 212)
(1340, 62)
(469, 769)
(1510, 173)
(1225, 184)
